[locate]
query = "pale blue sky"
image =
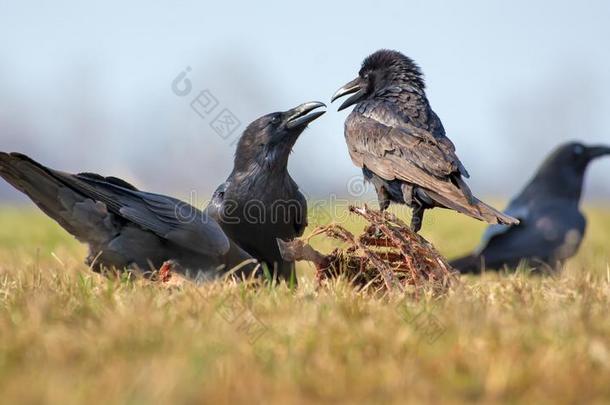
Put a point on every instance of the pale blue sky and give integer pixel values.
(87, 87)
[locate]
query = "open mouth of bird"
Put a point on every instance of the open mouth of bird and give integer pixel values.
(304, 114)
(357, 90)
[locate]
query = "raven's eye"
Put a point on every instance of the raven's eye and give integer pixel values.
(275, 119)
(578, 150)
(366, 76)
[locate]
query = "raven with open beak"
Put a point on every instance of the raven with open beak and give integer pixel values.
(358, 90)
(259, 202)
(400, 143)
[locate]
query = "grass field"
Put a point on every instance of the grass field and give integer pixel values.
(70, 336)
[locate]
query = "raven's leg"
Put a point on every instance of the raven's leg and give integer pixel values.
(417, 218)
(383, 197)
(408, 194)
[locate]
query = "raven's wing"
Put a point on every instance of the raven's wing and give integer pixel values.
(414, 116)
(406, 153)
(87, 220)
(167, 217)
(548, 233)
(415, 156)
(300, 219)
(515, 210)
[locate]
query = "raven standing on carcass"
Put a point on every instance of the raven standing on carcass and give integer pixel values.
(400, 143)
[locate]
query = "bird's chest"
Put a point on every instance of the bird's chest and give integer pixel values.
(261, 201)
(255, 219)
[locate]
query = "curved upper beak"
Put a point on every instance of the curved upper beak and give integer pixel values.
(303, 114)
(355, 87)
(598, 151)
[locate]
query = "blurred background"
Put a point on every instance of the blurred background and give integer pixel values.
(90, 87)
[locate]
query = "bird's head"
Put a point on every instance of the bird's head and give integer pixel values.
(562, 172)
(381, 70)
(268, 141)
(573, 156)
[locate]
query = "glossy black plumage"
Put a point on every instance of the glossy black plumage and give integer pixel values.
(260, 202)
(552, 225)
(128, 228)
(123, 226)
(400, 143)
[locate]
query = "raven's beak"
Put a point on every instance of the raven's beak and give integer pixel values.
(598, 151)
(356, 86)
(300, 117)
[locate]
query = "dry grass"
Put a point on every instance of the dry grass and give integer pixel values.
(69, 336)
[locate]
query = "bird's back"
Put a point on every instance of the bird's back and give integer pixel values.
(550, 231)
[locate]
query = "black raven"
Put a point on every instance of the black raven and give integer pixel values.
(259, 202)
(552, 225)
(126, 228)
(400, 143)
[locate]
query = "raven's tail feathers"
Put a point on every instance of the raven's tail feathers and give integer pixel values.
(77, 214)
(32, 179)
(471, 264)
(468, 204)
